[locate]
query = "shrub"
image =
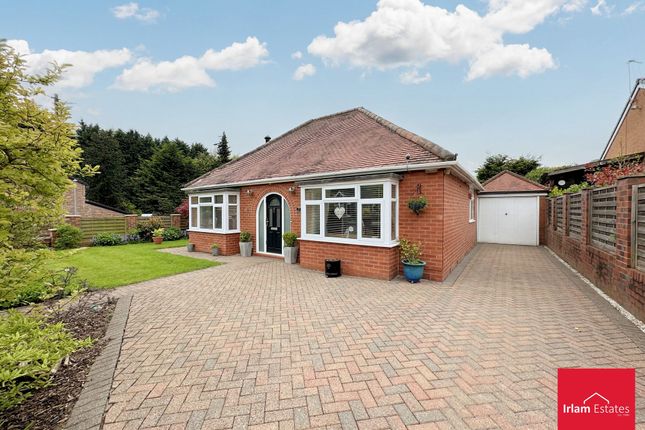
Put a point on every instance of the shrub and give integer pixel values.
(25, 278)
(172, 233)
(158, 232)
(29, 350)
(245, 236)
(290, 239)
(575, 188)
(68, 236)
(107, 239)
(410, 252)
(214, 246)
(147, 227)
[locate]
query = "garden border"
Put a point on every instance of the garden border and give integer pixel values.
(90, 407)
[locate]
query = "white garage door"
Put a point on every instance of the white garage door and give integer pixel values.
(508, 219)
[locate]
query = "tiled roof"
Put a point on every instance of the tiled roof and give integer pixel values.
(507, 181)
(354, 139)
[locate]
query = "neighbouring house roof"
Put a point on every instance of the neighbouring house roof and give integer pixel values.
(507, 181)
(638, 88)
(354, 140)
(102, 206)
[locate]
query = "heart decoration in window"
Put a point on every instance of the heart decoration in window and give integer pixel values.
(339, 212)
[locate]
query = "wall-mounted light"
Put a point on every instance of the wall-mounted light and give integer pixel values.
(292, 189)
(249, 192)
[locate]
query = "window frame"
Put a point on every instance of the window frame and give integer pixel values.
(472, 214)
(224, 206)
(386, 214)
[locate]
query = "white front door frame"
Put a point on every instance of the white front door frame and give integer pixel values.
(260, 220)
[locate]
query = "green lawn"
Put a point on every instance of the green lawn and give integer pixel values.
(113, 266)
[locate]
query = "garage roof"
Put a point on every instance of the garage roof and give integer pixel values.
(510, 182)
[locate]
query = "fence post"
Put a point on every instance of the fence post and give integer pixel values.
(130, 222)
(175, 220)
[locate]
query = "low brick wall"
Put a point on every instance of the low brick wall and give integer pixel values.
(229, 243)
(610, 270)
(356, 260)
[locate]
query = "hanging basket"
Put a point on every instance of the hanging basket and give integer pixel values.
(417, 204)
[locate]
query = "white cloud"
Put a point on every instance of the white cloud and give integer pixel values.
(296, 55)
(601, 8)
(189, 71)
(303, 71)
(574, 6)
(634, 7)
(84, 65)
(132, 10)
(410, 34)
(412, 77)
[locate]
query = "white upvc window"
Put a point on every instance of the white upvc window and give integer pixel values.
(364, 212)
(471, 204)
(214, 212)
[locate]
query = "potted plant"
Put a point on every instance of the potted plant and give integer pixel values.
(245, 244)
(412, 264)
(190, 247)
(417, 204)
(290, 249)
(157, 236)
(215, 249)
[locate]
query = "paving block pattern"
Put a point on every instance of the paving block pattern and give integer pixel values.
(257, 343)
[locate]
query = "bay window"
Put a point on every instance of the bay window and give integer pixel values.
(363, 213)
(214, 212)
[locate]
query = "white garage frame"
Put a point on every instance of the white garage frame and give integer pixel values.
(481, 217)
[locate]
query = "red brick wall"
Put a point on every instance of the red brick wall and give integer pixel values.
(460, 235)
(81, 207)
(357, 260)
(228, 243)
(611, 271)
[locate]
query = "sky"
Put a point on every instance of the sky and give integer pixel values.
(547, 78)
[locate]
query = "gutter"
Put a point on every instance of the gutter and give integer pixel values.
(453, 166)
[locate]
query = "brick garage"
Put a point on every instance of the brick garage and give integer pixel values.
(308, 159)
(612, 270)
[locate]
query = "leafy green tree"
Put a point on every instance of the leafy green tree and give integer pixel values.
(223, 151)
(38, 153)
(159, 179)
(497, 163)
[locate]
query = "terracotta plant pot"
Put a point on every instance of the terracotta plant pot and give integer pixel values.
(157, 240)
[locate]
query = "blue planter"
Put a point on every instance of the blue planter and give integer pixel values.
(413, 272)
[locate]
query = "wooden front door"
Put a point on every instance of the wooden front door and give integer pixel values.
(274, 223)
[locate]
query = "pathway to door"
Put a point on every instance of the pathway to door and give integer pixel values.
(260, 342)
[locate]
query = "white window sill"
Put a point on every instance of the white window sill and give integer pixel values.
(472, 221)
(204, 230)
(355, 242)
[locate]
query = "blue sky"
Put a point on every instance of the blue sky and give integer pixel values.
(546, 77)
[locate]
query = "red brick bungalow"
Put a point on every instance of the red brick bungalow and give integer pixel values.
(342, 183)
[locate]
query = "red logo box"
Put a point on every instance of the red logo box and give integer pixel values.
(596, 399)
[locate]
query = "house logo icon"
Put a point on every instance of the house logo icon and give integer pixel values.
(597, 396)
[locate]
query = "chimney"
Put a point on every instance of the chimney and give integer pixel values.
(266, 139)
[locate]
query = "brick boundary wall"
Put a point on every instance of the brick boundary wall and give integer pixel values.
(229, 243)
(611, 271)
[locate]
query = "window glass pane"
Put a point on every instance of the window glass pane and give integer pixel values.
(339, 193)
(313, 219)
(206, 217)
(205, 199)
(193, 200)
(393, 191)
(218, 217)
(286, 215)
(340, 220)
(371, 214)
(372, 191)
(313, 194)
(394, 214)
(261, 227)
(232, 198)
(193, 217)
(232, 217)
(219, 198)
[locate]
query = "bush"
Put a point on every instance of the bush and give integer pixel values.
(68, 236)
(158, 232)
(29, 350)
(25, 278)
(245, 236)
(147, 227)
(172, 233)
(107, 239)
(290, 239)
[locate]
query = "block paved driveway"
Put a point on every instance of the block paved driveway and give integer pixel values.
(257, 343)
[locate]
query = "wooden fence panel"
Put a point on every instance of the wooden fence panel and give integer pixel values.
(559, 214)
(93, 226)
(602, 215)
(574, 218)
(638, 227)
